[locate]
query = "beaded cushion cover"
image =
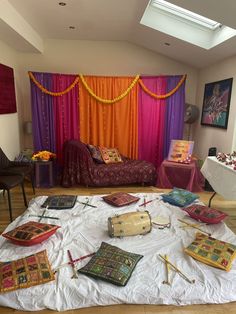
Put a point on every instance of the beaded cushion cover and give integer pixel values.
(110, 155)
(111, 264)
(212, 252)
(95, 153)
(120, 199)
(205, 214)
(179, 197)
(25, 272)
(31, 233)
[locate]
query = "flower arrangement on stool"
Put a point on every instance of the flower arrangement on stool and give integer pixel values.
(43, 155)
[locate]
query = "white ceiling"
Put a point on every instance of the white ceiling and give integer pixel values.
(118, 20)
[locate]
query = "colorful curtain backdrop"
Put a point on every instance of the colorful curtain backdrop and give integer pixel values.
(109, 125)
(138, 115)
(55, 118)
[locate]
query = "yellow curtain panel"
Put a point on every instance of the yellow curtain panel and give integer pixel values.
(107, 124)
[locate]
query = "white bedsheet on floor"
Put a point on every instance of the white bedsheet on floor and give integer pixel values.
(82, 231)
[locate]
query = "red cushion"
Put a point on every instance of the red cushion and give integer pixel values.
(31, 233)
(205, 214)
(120, 199)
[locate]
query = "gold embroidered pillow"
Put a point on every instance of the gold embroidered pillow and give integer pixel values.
(30, 233)
(120, 199)
(110, 155)
(212, 252)
(25, 272)
(111, 264)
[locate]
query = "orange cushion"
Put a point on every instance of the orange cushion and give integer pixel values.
(30, 233)
(110, 155)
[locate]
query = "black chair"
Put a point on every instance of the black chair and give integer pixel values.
(8, 167)
(7, 182)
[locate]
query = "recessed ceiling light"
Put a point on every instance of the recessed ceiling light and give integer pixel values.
(71, 27)
(62, 4)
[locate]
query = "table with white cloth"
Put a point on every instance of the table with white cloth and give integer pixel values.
(221, 177)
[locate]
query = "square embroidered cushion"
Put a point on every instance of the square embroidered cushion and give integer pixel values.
(212, 252)
(205, 214)
(179, 197)
(25, 272)
(111, 264)
(95, 153)
(110, 155)
(120, 199)
(30, 233)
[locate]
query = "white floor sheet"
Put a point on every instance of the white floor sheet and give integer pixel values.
(82, 231)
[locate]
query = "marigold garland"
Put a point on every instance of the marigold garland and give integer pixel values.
(109, 101)
(46, 91)
(165, 95)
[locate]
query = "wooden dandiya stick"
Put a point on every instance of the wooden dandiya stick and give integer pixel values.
(177, 270)
(145, 203)
(193, 226)
(44, 217)
(87, 204)
(72, 263)
(167, 281)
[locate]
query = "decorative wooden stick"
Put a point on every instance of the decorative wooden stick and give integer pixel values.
(193, 226)
(44, 217)
(72, 263)
(177, 270)
(167, 281)
(145, 203)
(87, 204)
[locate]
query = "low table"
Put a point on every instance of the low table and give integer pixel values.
(185, 176)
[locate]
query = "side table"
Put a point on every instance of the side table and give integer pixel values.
(44, 174)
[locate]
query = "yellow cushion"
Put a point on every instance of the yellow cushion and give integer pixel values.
(212, 252)
(110, 155)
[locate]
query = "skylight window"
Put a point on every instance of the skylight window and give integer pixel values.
(185, 14)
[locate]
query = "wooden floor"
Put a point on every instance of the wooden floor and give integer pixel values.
(218, 202)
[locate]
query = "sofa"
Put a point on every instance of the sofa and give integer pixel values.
(79, 168)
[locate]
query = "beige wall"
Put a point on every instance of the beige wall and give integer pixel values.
(99, 58)
(9, 125)
(205, 137)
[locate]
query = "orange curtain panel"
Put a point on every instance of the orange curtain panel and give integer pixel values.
(110, 125)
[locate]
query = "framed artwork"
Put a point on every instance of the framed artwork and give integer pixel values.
(216, 102)
(7, 90)
(180, 151)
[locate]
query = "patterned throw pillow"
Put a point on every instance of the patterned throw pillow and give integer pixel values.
(212, 252)
(205, 214)
(95, 153)
(120, 199)
(25, 272)
(110, 155)
(179, 197)
(30, 233)
(111, 264)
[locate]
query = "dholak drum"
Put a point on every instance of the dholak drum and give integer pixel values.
(129, 224)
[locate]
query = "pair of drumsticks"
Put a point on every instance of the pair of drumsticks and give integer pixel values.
(168, 265)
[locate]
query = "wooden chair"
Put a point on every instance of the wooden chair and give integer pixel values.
(8, 167)
(7, 182)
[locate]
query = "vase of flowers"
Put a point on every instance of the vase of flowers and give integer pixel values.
(43, 155)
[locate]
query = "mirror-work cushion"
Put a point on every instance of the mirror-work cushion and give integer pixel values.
(120, 199)
(95, 153)
(111, 264)
(212, 252)
(30, 233)
(110, 155)
(205, 214)
(25, 272)
(179, 197)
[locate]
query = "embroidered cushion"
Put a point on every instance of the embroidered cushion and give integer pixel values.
(120, 199)
(212, 252)
(110, 155)
(205, 214)
(179, 197)
(30, 233)
(25, 272)
(111, 264)
(95, 153)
